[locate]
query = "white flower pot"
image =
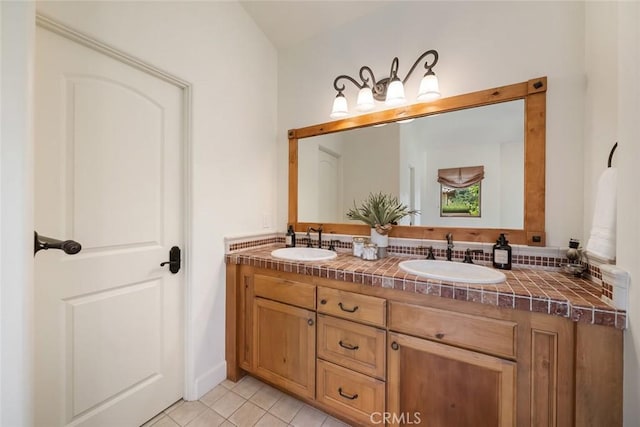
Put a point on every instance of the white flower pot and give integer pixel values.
(382, 240)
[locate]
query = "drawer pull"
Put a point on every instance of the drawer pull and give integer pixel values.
(323, 301)
(310, 322)
(348, 310)
(394, 345)
(439, 335)
(348, 346)
(346, 396)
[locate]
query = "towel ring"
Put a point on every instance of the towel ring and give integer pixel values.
(611, 154)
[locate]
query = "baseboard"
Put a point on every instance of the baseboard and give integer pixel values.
(205, 382)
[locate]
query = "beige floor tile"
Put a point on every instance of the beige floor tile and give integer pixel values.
(228, 384)
(154, 420)
(212, 396)
(247, 415)
(227, 424)
(228, 404)
(286, 408)
(308, 416)
(247, 387)
(333, 422)
(187, 412)
(269, 420)
(266, 397)
(208, 418)
(166, 422)
(174, 406)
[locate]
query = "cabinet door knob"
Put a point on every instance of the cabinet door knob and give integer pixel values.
(348, 346)
(394, 345)
(439, 335)
(348, 310)
(347, 396)
(310, 322)
(323, 301)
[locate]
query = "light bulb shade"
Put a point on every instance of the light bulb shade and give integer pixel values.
(365, 99)
(339, 107)
(395, 93)
(429, 88)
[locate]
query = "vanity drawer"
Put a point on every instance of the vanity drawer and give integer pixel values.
(348, 305)
(355, 395)
(286, 291)
(493, 336)
(352, 345)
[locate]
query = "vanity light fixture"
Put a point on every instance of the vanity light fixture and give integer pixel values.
(389, 89)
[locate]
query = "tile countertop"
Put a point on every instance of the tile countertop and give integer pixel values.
(537, 290)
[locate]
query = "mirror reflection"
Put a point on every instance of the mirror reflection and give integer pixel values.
(403, 159)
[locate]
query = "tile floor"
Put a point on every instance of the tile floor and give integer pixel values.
(249, 402)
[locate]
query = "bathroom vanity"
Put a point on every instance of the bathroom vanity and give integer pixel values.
(374, 345)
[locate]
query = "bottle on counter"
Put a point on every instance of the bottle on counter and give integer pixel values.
(502, 253)
(290, 238)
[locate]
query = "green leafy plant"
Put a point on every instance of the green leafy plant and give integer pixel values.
(380, 211)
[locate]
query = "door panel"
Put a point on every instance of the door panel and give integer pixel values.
(108, 174)
(110, 138)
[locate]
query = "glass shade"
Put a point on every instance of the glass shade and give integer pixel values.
(395, 93)
(339, 107)
(429, 88)
(365, 100)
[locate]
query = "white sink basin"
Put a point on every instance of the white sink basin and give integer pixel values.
(452, 271)
(304, 254)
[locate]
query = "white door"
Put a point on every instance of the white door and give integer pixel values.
(329, 192)
(108, 174)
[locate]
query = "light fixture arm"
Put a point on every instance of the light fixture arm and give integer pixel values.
(343, 87)
(428, 66)
(393, 73)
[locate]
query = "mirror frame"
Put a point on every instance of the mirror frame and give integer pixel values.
(534, 94)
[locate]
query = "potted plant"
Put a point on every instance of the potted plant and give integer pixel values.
(380, 212)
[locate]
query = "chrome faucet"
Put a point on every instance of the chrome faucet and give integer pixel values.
(315, 230)
(449, 246)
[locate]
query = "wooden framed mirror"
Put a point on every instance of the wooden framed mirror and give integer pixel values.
(530, 230)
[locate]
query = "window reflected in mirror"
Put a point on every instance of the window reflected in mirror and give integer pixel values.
(460, 201)
(460, 191)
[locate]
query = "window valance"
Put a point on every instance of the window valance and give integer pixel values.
(460, 177)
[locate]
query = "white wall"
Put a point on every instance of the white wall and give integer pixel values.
(219, 49)
(481, 45)
(612, 47)
(374, 153)
(16, 213)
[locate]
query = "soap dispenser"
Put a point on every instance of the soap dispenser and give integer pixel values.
(290, 238)
(502, 253)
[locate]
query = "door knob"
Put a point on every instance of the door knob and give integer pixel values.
(174, 260)
(70, 247)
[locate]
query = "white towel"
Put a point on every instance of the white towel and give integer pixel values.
(602, 241)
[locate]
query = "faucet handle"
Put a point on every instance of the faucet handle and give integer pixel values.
(430, 254)
(468, 255)
(332, 244)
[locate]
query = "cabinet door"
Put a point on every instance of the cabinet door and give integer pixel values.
(284, 345)
(438, 385)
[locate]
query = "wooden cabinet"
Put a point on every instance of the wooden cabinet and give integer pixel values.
(284, 345)
(354, 395)
(434, 384)
(419, 360)
(493, 336)
(352, 345)
(352, 306)
(351, 354)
